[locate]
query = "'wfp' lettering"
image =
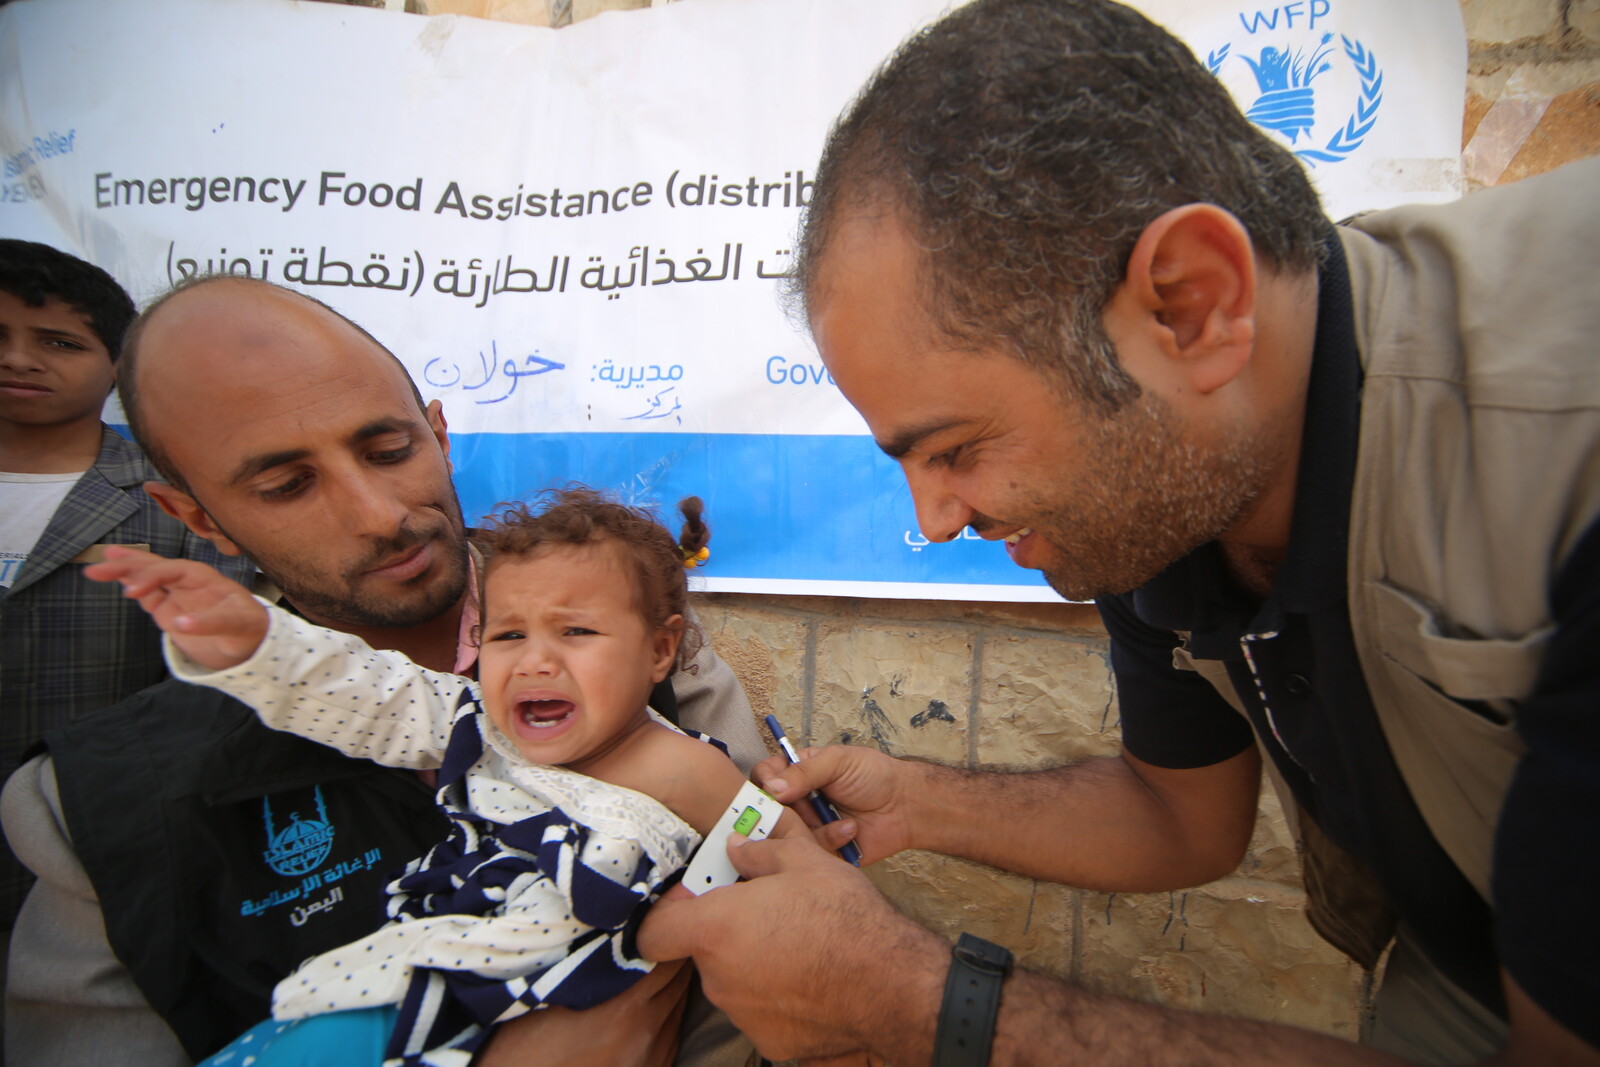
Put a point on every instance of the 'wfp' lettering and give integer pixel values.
(1308, 12)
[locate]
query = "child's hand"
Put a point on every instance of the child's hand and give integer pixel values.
(214, 621)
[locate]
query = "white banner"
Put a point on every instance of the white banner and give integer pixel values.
(572, 238)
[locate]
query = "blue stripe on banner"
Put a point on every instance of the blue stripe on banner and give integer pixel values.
(824, 508)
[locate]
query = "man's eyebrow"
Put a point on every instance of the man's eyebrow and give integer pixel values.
(897, 446)
(379, 427)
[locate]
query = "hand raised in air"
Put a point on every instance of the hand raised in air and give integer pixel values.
(211, 619)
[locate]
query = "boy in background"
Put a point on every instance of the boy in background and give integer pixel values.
(69, 486)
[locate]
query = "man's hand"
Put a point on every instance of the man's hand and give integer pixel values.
(636, 1028)
(213, 620)
(874, 793)
(807, 958)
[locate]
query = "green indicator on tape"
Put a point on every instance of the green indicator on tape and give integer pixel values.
(746, 821)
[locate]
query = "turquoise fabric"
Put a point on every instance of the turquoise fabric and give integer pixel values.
(341, 1039)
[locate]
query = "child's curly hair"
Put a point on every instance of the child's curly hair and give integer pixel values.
(578, 515)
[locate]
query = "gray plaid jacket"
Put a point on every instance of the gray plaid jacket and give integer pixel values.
(69, 646)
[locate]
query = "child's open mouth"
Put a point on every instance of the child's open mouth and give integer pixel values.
(543, 714)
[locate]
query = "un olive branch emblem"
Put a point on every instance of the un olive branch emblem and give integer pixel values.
(1287, 104)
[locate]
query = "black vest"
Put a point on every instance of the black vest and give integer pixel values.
(224, 853)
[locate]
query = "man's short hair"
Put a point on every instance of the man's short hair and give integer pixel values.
(1027, 144)
(35, 273)
(128, 372)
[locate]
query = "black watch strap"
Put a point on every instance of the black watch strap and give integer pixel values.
(971, 1002)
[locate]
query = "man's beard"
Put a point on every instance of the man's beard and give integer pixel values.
(342, 601)
(1145, 499)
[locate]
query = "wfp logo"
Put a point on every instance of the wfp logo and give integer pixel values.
(1320, 96)
(303, 845)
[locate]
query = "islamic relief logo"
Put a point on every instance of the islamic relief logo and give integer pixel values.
(1299, 82)
(303, 845)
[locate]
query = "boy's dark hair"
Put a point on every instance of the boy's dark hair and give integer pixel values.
(35, 273)
(578, 515)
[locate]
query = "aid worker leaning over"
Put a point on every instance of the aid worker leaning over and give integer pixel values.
(1334, 490)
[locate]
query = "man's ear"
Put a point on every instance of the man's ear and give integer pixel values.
(1188, 295)
(187, 510)
(665, 647)
(441, 432)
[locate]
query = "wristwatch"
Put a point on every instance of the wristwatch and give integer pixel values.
(978, 968)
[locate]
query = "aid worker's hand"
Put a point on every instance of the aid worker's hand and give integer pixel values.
(875, 795)
(807, 958)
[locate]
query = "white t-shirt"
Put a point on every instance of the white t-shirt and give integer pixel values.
(27, 503)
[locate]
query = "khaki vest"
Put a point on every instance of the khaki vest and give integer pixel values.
(1479, 470)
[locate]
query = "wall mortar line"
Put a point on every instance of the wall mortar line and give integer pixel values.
(974, 692)
(808, 682)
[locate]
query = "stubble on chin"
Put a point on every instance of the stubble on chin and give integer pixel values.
(1148, 499)
(344, 600)
(424, 604)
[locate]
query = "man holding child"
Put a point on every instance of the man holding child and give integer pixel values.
(286, 432)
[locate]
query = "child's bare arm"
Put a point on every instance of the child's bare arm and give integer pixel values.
(695, 780)
(211, 619)
(366, 703)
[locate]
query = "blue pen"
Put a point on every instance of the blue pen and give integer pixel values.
(819, 803)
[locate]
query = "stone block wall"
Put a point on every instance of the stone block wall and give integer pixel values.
(1024, 687)
(1533, 87)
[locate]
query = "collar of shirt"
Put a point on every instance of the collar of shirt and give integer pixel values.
(1196, 594)
(467, 637)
